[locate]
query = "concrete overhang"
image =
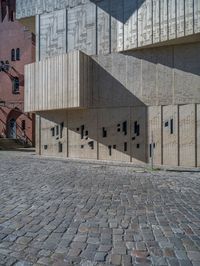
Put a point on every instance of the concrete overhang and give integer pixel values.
(58, 82)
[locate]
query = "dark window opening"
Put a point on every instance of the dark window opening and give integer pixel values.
(125, 127)
(53, 131)
(17, 54)
(133, 138)
(60, 147)
(118, 128)
(125, 146)
(171, 126)
(86, 133)
(91, 144)
(110, 150)
(82, 131)
(45, 147)
(15, 87)
(104, 132)
(23, 125)
(138, 146)
(136, 128)
(13, 55)
(57, 130)
(150, 150)
(82, 146)
(77, 129)
(166, 124)
(114, 147)
(61, 129)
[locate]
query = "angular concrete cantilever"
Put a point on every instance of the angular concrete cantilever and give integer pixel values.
(57, 82)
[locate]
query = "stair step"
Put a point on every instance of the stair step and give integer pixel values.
(10, 144)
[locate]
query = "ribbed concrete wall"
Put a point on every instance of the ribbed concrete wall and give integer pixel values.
(157, 76)
(168, 133)
(109, 25)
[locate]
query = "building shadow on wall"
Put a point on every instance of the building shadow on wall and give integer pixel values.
(121, 11)
(184, 56)
(115, 120)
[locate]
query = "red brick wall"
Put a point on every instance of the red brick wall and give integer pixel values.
(14, 35)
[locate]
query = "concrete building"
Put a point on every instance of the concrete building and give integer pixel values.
(17, 48)
(115, 79)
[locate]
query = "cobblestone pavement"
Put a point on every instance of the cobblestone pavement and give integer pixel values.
(61, 212)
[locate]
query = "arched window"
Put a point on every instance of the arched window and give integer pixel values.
(17, 54)
(13, 55)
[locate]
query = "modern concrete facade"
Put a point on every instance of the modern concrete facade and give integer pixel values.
(17, 48)
(116, 79)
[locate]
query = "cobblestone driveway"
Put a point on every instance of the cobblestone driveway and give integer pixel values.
(56, 212)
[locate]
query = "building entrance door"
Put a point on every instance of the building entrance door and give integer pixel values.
(12, 129)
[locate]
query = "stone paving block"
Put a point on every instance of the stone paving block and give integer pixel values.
(104, 248)
(140, 246)
(119, 250)
(159, 261)
(24, 240)
(23, 263)
(173, 261)
(76, 244)
(100, 256)
(74, 252)
(115, 259)
(126, 260)
(194, 255)
(10, 261)
(143, 261)
(88, 254)
(168, 252)
(93, 240)
(118, 231)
